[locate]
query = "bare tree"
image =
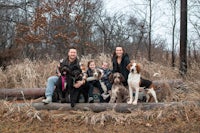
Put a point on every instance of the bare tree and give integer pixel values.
(173, 6)
(183, 38)
(194, 18)
(150, 24)
(138, 33)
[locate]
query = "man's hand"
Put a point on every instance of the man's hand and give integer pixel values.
(59, 74)
(78, 84)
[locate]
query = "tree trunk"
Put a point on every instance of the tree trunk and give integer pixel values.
(27, 93)
(183, 38)
(150, 17)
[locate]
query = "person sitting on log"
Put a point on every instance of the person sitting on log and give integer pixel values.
(73, 64)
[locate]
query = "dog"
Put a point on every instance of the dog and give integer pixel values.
(97, 74)
(119, 94)
(135, 82)
(83, 89)
(61, 92)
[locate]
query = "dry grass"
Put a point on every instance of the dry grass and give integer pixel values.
(28, 74)
(175, 119)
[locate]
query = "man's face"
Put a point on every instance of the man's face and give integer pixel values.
(72, 54)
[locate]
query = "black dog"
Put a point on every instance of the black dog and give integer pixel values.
(61, 92)
(83, 90)
(65, 92)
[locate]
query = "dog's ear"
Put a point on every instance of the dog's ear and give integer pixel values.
(138, 68)
(100, 74)
(122, 77)
(83, 67)
(111, 78)
(128, 67)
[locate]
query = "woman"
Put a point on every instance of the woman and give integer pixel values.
(120, 61)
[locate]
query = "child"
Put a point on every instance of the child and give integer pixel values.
(94, 83)
(105, 80)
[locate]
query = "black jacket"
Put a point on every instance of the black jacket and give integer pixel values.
(121, 68)
(74, 67)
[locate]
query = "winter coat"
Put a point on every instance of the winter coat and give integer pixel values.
(121, 68)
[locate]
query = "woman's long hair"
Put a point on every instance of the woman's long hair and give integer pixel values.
(114, 53)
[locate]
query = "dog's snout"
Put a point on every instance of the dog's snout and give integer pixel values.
(95, 74)
(132, 70)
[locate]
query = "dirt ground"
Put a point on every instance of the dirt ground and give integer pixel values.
(182, 119)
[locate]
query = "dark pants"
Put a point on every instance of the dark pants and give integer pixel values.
(91, 86)
(74, 92)
(83, 91)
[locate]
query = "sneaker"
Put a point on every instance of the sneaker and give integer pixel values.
(105, 96)
(91, 100)
(47, 100)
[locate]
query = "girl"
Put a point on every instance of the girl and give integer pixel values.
(94, 83)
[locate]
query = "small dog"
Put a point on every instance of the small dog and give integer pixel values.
(97, 74)
(135, 81)
(119, 94)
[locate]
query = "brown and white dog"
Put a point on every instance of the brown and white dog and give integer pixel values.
(97, 75)
(135, 82)
(119, 94)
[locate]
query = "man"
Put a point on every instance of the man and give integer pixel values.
(72, 62)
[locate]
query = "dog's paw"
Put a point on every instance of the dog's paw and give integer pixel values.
(129, 102)
(105, 96)
(134, 103)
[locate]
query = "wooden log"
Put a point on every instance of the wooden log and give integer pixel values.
(99, 107)
(32, 93)
(27, 93)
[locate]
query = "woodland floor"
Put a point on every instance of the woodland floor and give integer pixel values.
(182, 119)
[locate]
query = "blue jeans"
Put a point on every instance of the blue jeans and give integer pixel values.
(51, 81)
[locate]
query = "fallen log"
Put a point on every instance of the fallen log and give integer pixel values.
(32, 93)
(99, 107)
(19, 94)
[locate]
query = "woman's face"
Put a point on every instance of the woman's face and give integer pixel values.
(92, 65)
(119, 51)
